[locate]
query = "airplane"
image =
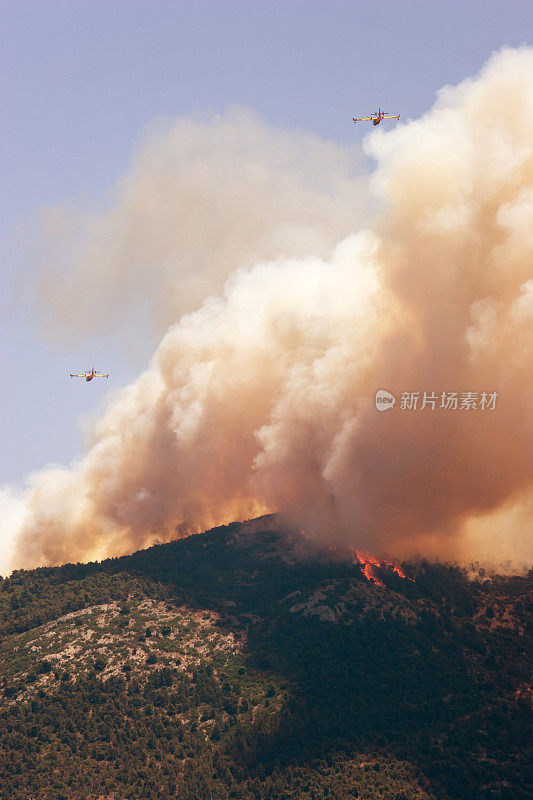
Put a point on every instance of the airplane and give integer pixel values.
(376, 117)
(88, 375)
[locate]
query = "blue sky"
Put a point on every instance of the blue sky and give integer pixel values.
(82, 81)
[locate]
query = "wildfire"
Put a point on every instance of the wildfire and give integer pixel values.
(367, 563)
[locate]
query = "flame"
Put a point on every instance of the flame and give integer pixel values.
(367, 563)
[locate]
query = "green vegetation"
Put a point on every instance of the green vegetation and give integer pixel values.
(232, 665)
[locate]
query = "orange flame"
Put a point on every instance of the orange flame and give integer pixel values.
(367, 563)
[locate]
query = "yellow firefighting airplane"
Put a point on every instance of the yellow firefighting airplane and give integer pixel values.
(376, 118)
(88, 375)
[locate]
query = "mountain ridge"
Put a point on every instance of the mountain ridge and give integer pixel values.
(279, 664)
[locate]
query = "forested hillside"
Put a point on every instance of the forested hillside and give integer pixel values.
(244, 663)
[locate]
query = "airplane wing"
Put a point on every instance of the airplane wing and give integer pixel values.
(361, 119)
(100, 375)
(394, 116)
(78, 375)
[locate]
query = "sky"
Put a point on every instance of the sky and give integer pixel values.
(83, 82)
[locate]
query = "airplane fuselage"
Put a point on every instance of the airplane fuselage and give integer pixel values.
(376, 118)
(88, 375)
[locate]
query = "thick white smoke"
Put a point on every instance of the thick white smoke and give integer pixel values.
(202, 197)
(263, 399)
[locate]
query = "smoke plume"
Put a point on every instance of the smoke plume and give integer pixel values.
(202, 197)
(262, 399)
